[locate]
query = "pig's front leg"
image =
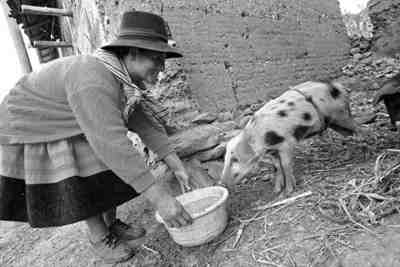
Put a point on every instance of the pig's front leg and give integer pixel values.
(286, 158)
(279, 178)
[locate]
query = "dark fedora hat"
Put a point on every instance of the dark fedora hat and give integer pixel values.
(144, 30)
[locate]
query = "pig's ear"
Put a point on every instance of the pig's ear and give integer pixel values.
(336, 91)
(340, 87)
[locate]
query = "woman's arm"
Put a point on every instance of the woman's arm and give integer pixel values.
(155, 139)
(176, 165)
(100, 120)
(94, 97)
(160, 144)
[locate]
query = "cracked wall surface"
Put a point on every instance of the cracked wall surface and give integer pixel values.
(237, 51)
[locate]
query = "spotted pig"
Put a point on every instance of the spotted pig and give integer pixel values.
(301, 112)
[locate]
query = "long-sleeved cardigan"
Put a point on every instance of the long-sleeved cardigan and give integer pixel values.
(78, 95)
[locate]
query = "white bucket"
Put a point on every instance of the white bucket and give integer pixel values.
(207, 206)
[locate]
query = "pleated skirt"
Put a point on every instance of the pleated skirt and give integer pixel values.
(57, 183)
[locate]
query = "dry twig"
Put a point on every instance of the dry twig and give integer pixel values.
(285, 201)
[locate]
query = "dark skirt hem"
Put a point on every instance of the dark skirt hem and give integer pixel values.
(68, 201)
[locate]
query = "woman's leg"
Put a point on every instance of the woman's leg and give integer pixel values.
(97, 228)
(105, 244)
(125, 231)
(110, 216)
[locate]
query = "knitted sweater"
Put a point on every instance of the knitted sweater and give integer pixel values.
(78, 95)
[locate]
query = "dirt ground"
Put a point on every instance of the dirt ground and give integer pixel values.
(289, 235)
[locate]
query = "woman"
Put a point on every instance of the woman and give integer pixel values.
(64, 151)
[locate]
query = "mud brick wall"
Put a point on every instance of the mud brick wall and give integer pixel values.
(384, 16)
(239, 51)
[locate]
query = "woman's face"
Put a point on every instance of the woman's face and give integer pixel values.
(145, 65)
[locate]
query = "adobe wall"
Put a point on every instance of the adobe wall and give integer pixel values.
(236, 51)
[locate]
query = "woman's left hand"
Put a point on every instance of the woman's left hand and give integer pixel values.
(176, 165)
(184, 179)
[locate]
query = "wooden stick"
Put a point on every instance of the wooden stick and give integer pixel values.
(48, 11)
(285, 201)
(379, 159)
(272, 248)
(243, 224)
(353, 221)
(238, 235)
(269, 262)
(393, 150)
(37, 44)
(151, 250)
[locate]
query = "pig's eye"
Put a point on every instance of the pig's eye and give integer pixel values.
(234, 160)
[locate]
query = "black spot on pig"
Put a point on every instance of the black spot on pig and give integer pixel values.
(306, 116)
(291, 104)
(309, 99)
(282, 113)
(301, 131)
(335, 93)
(272, 138)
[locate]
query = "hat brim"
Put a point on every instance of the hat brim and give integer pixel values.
(159, 46)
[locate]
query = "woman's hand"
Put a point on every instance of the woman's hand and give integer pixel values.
(184, 179)
(173, 213)
(175, 164)
(170, 210)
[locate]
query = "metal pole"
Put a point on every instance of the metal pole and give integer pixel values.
(16, 35)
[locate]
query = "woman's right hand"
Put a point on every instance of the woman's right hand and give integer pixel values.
(170, 210)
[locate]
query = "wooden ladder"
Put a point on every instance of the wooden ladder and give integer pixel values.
(47, 11)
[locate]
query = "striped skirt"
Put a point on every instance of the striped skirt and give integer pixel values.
(56, 183)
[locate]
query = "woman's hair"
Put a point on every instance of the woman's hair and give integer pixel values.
(122, 51)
